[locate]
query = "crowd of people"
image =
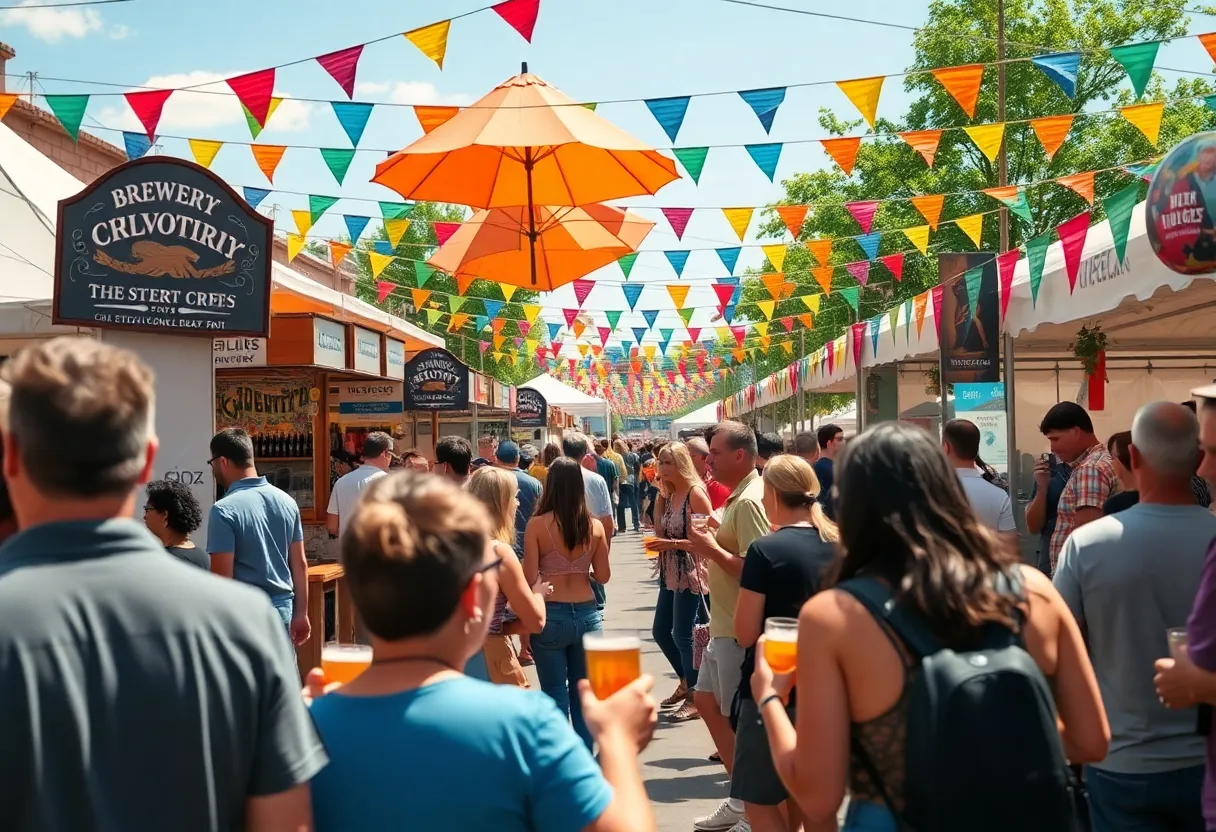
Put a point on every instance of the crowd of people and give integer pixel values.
(941, 682)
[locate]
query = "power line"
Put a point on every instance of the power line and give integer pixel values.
(68, 5)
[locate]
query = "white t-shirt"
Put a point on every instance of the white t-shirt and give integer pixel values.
(599, 501)
(990, 503)
(347, 490)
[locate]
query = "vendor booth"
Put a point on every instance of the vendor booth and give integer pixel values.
(592, 415)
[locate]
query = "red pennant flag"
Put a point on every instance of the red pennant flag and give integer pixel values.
(1096, 383)
(147, 106)
(342, 65)
(604, 332)
(864, 213)
(895, 264)
(582, 288)
(788, 323)
(1072, 240)
(740, 333)
(444, 230)
(936, 294)
(524, 327)
(859, 334)
(254, 91)
(678, 217)
(519, 14)
(570, 315)
(1005, 265)
(831, 354)
(694, 332)
(383, 290)
(724, 291)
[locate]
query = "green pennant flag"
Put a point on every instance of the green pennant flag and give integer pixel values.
(908, 321)
(455, 302)
(1118, 207)
(973, 278)
(614, 315)
(693, 160)
(591, 105)
(893, 320)
(338, 161)
(1036, 255)
(626, 263)
(686, 315)
(422, 273)
(255, 129)
(1137, 60)
(396, 210)
(1020, 207)
(852, 297)
(69, 109)
(318, 205)
(433, 315)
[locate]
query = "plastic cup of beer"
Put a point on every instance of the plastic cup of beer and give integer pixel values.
(1177, 640)
(781, 644)
(650, 544)
(614, 659)
(700, 522)
(344, 662)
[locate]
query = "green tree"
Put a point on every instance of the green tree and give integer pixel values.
(417, 244)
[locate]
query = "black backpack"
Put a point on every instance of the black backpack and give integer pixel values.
(982, 749)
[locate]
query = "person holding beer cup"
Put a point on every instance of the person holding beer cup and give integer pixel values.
(408, 736)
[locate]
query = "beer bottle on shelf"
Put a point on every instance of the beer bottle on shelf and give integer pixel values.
(256, 440)
(276, 445)
(308, 444)
(295, 444)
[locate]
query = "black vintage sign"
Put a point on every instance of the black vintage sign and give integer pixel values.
(531, 409)
(969, 332)
(163, 245)
(436, 380)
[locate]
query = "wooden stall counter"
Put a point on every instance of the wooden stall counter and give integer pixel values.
(323, 578)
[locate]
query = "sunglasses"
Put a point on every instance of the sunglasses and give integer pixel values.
(488, 567)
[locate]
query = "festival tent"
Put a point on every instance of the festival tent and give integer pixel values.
(702, 417)
(570, 400)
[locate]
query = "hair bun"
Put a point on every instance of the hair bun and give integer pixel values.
(385, 526)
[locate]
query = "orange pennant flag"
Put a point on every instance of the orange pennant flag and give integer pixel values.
(930, 207)
(805, 320)
(268, 157)
(987, 138)
(1052, 131)
(793, 216)
(463, 282)
(823, 276)
(775, 283)
(863, 93)
(1146, 118)
(821, 250)
(458, 320)
(924, 142)
(338, 251)
(1002, 194)
(7, 100)
(919, 303)
(679, 294)
(1209, 43)
(843, 151)
(432, 117)
(1082, 183)
(963, 83)
(420, 296)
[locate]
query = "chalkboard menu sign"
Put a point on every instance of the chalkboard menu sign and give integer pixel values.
(436, 380)
(531, 409)
(163, 245)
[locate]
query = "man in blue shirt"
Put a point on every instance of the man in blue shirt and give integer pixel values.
(254, 533)
(507, 455)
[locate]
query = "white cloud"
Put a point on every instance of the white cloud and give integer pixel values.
(119, 31)
(198, 109)
(408, 92)
(52, 25)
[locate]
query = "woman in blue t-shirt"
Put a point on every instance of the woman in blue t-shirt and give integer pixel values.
(415, 744)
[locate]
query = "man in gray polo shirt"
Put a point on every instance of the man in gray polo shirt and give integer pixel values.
(137, 691)
(1128, 578)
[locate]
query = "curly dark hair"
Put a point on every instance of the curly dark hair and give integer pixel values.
(175, 500)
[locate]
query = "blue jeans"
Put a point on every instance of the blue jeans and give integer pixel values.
(284, 607)
(675, 613)
(601, 595)
(559, 656)
(629, 499)
(864, 816)
(1170, 801)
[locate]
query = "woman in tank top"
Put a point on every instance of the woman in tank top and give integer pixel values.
(905, 520)
(565, 546)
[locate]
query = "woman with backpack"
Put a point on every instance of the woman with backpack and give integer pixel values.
(942, 685)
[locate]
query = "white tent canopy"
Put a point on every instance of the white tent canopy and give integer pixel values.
(699, 418)
(572, 401)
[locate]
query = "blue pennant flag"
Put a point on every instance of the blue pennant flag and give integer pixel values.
(725, 281)
(1060, 67)
(651, 315)
(764, 103)
(766, 157)
(384, 247)
(639, 332)
(737, 296)
(553, 330)
(729, 313)
(137, 144)
(353, 116)
(493, 307)
(480, 322)
(875, 324)
(626, 348)
(669, 112)
(869, 244)
(354, 224)
(729, 257)
(254, 196)
(632, 291)
(677, 259)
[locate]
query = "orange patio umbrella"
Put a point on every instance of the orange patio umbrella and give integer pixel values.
(568, 244)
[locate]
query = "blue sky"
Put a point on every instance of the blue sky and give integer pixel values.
(591, 50)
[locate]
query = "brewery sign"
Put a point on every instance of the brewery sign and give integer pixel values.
(531, 409)
(436, 380)
(163, 245)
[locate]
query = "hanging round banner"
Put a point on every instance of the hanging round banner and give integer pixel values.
(1181, 215)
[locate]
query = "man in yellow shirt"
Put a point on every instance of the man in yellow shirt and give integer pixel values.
(732, 457)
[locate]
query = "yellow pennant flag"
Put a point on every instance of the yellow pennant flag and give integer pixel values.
(432, 40)
(972, 226)
(788, 346)
(919, 237)
(724, 333)
(766, 341)
(508, 291)
(963, 83)
(295, 244)
(930, 207)
(395, 229)
(303, 220)
(432, 117)
(840, 348)
(531, 312)
(420, 296)
(811, 302)
(924, 142)
(1052, 130)
(987, 138)
(338, 251)
(204, 151)
(823, 276)
(274, 105)
(821, 250)
(531, 344)
(268, 157)
(843, 151)
(863, 93)
(379, 262)
(1146, 118)
(1081, 183)
(498, 341)
(649, 350)
(739, 219)
(775, 255)
(760, 328)
(7, 100)
(678, 294)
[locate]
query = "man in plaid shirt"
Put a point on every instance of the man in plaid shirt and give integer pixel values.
(1071, 433)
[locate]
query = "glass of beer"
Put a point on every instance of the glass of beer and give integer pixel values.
(344, 662)
(781, 644)
(614, 659)
(1176, 636)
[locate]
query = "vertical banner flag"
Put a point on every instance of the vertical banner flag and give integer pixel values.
(968, 327)
(984, 406)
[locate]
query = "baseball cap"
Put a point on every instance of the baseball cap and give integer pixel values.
(507, 451)
(1208, 392)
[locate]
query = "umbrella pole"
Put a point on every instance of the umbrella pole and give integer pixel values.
(531, 210)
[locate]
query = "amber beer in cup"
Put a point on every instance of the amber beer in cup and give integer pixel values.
(344, 662)
(781, 644)
(650, 544)
(614, 659)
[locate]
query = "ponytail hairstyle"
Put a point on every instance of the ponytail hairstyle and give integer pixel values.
(794, 482)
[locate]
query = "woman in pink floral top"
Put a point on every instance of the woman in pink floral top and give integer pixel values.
(683, 576)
